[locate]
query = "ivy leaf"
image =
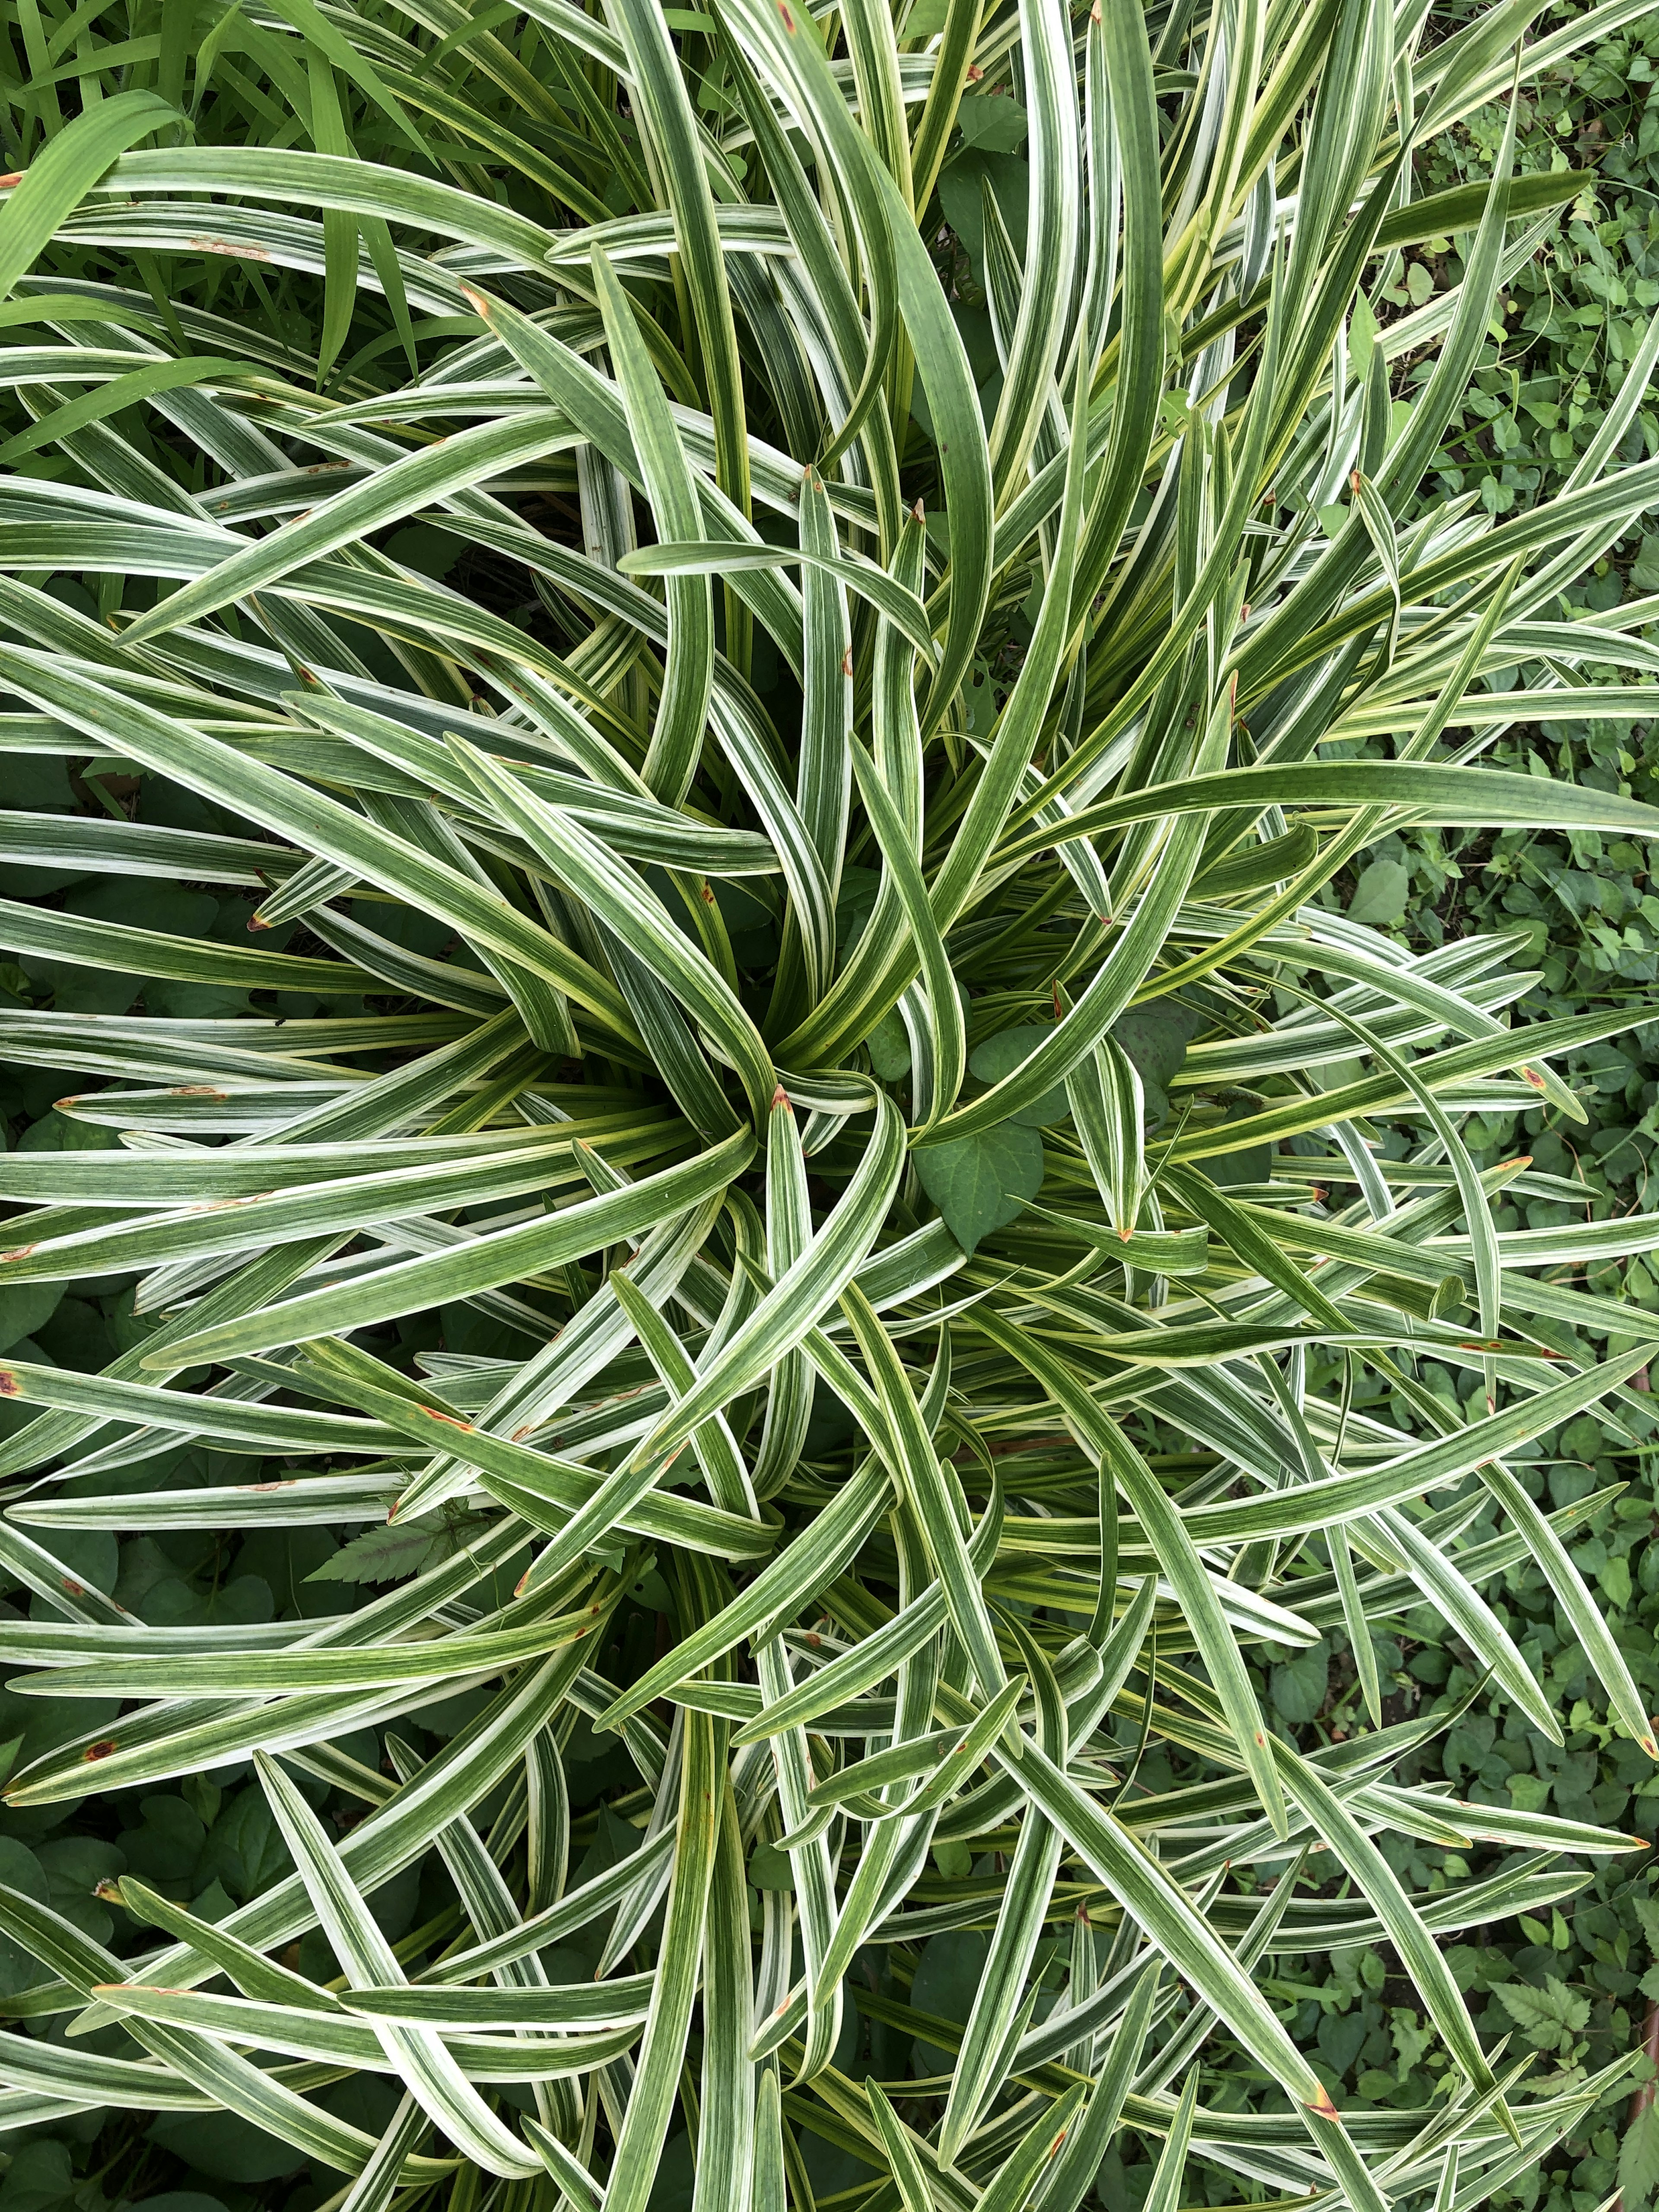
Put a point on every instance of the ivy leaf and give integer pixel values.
(993, 122)
(25, 1307)
(1299, 1686)
(888, 1049)
(1001, 1056)
(981, 1183)
(40, 2176)
(1380, 897)
(1156, 1039)
(769, 1868)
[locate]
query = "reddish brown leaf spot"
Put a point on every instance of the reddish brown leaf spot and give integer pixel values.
(788, 21)
(101, 1749)
(75, 1589)
(9, 1385)
(451, 1421)
(196, 1090)
(17, 1252)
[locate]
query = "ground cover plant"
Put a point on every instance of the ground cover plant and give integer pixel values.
(786, 1366)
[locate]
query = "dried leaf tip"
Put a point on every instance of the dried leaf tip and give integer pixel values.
(1324, 2105)
(781, 1098)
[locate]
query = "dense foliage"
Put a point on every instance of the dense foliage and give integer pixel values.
(818, 1182)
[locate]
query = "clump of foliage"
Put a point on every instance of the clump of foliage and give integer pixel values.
(912, 1343)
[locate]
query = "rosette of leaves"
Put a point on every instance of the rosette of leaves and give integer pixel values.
(809, 927)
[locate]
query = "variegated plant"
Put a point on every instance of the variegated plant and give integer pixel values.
(912, 750)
